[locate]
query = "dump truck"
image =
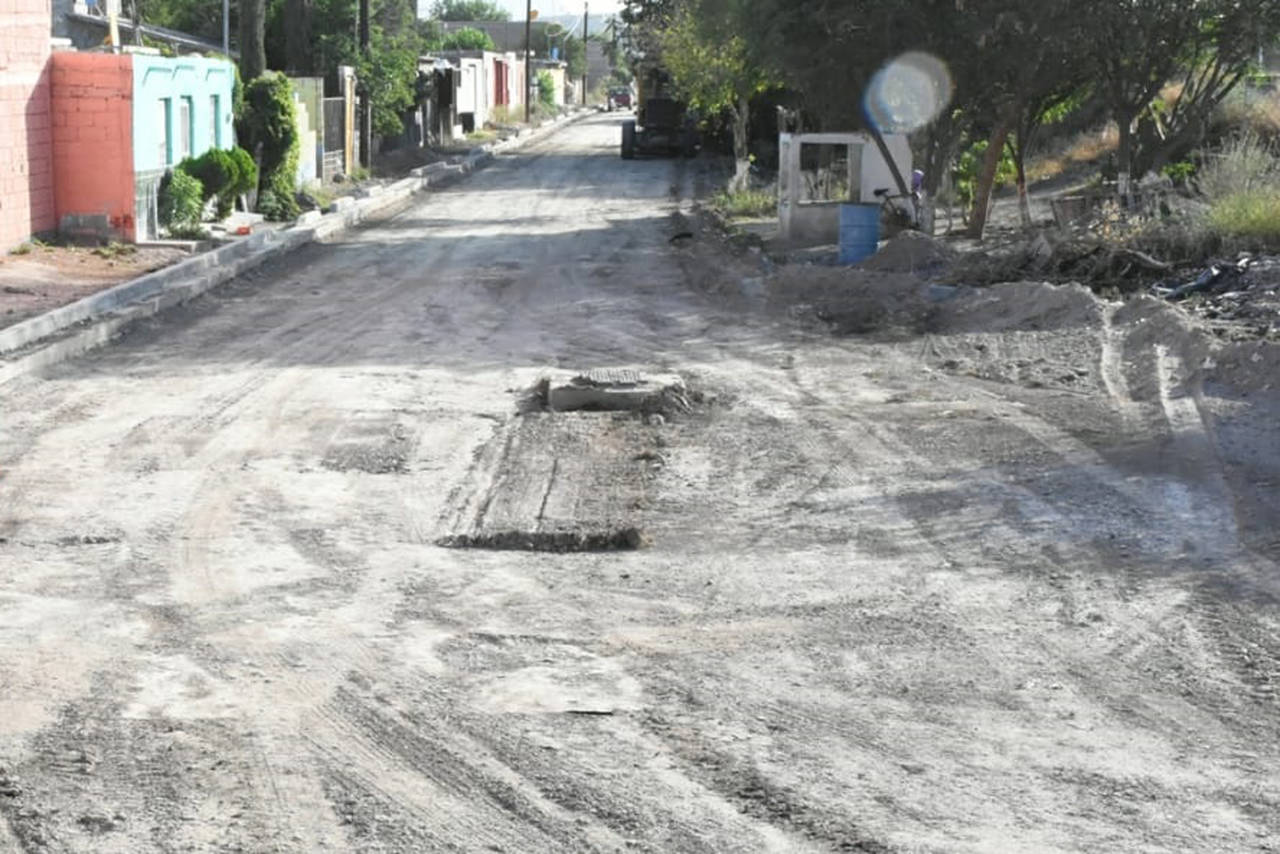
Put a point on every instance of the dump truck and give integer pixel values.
(662, 124)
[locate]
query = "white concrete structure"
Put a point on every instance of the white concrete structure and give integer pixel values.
(805, 221)
(485, 80)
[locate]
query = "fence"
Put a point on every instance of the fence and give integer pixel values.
(335, 134)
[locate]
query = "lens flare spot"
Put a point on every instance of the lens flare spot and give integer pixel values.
(908, 93)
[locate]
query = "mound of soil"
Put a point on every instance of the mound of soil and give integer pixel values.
(850, 299)
(911, 252)
(1019, 306)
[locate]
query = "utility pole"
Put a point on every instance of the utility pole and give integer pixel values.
(366, 108)
(226, 27)
(586, 52)
(528, 62)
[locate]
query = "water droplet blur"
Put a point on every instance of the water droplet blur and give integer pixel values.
(908, 93)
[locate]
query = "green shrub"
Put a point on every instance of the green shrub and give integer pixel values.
(215, 169)
(275, 208)
(964, 174)
(1251, 214)
(246, 171)
(225, 175)
(1179, 172)
(546, 90)
(181, 200)
(269, 127)
(746, 203)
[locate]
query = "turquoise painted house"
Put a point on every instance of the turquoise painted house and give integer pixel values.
(120, 121)
(182, 107)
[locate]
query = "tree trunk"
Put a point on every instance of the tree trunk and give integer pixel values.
(938, 150)
(297, 36)
(987, 179)
(1124, 156)
(741, 153)
(253, 49)
(1024, 201)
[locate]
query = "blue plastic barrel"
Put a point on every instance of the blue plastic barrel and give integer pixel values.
(859, 232)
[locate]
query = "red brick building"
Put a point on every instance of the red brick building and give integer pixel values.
(26, 141)
(92, 102)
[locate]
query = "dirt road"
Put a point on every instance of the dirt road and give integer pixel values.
(891, 600)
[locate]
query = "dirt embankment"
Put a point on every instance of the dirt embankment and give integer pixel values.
(51, 276)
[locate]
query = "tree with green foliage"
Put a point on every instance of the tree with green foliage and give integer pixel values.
(197, 17)
(546, 90)
(390, 71)
(268, 129)
(1139, 46)
(709, 61)
(468, 38)
(469, 10)
(575, 57)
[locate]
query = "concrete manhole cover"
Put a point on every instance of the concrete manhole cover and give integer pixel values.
(613, 390)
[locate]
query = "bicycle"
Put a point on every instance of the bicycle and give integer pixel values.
(898, 211)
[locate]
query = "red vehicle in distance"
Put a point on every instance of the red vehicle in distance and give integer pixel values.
(619, 98)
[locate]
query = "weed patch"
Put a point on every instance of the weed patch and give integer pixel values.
(744, 204)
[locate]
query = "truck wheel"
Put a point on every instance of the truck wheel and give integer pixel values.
(628, 140)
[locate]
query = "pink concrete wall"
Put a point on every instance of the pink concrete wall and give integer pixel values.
(92, 100)
(26, 149)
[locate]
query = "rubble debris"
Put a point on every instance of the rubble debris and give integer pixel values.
(1205, 281)
(1061, 257)
(1240, 303)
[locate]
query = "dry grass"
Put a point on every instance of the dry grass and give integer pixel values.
(1086, 148)
(1245, 164)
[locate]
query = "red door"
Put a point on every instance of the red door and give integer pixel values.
(501, 95)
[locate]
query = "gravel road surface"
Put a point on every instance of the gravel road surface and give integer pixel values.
(889, 598)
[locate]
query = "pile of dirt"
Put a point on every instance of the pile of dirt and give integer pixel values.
(912, 252)
(1018, 307)
(852, 300)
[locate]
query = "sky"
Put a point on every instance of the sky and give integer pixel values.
(558, 7)
(544, 7)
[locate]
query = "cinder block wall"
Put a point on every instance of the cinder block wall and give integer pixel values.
(92, 106)
(26, 161)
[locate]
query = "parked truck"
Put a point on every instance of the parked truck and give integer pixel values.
(662, 124)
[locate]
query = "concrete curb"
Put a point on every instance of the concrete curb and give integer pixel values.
(44, 340)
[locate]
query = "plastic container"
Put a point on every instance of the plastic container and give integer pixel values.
(859, 232)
